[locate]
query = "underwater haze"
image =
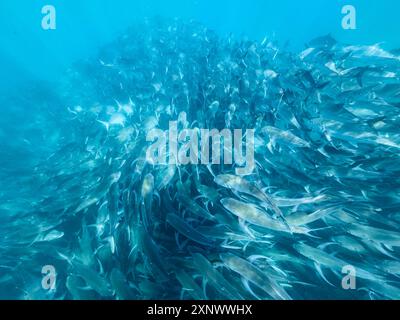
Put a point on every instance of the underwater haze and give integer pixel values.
(84, 26)
(203, 150)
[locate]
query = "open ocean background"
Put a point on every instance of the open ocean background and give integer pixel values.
(27, 52)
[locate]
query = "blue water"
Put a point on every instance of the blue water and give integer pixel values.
(74, 193)
(83, 26)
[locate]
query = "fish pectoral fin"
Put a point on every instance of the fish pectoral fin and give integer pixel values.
(204, 284)
(382, 249)
(246, 284)
(157, 195)
(390, 248)
(318, 267)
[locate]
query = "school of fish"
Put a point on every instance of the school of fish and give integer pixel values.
(324, 195)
